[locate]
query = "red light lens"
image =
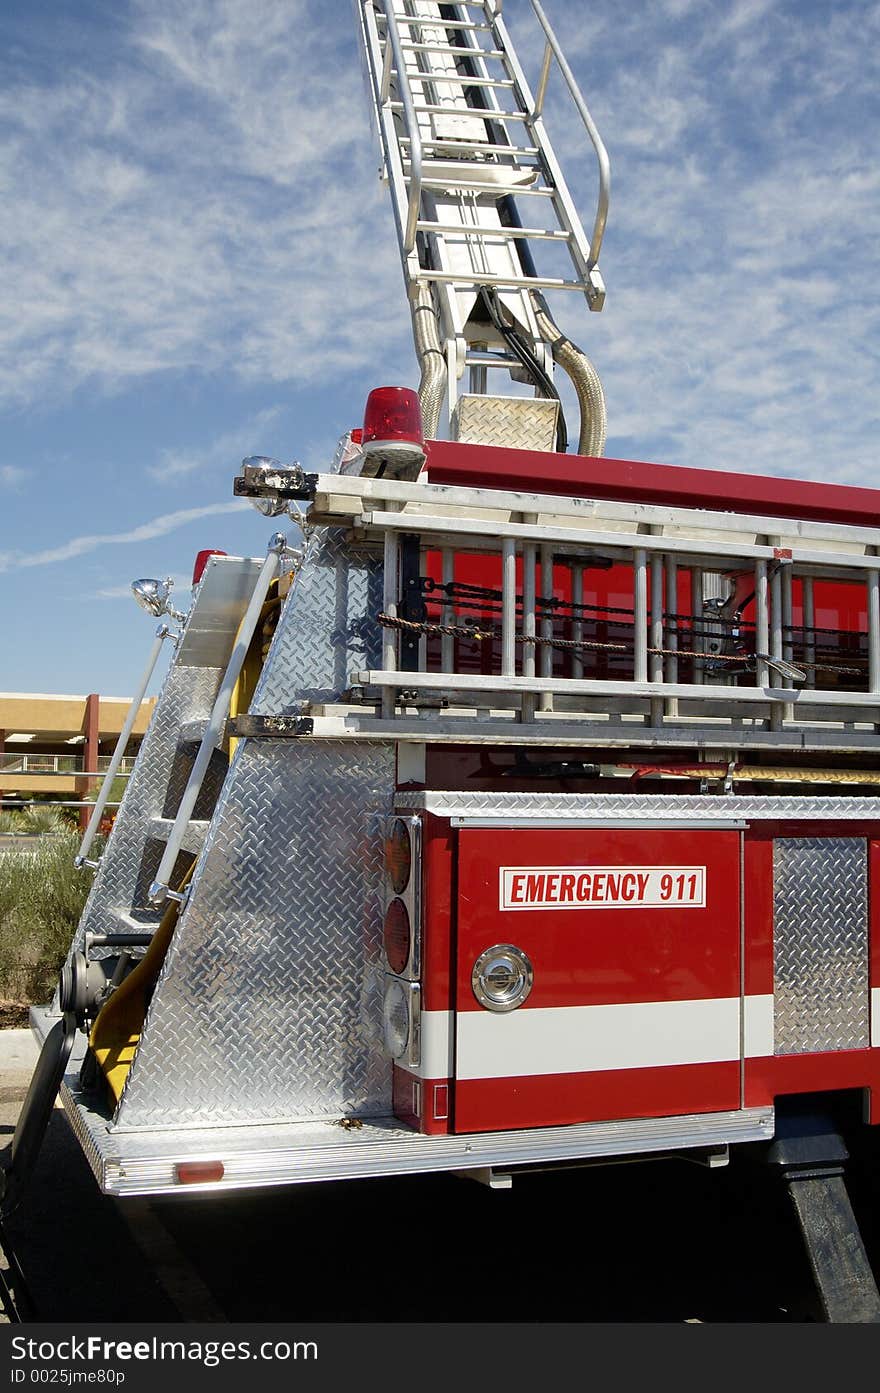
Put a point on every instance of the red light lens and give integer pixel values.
(199, 1172)
(357, 436)
(398, 856)
(202, 559)
(393, 413)
(397, 936)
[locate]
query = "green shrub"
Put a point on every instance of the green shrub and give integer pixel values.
(38, 819)
(10, 822)
(41, 899)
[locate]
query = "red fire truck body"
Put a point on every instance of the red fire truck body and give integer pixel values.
(527, 813)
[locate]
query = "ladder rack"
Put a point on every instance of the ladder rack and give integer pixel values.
(544, 641)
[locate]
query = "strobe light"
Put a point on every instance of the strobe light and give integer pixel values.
(393, 442)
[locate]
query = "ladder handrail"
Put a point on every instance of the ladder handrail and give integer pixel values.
(584, 113)
(159, 889)
(392, 37)
(116, 758)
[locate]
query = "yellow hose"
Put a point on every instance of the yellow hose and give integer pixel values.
(116, 1030)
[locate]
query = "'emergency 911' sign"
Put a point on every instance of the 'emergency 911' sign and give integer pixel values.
(602, 887)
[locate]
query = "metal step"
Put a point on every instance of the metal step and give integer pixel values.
(192, 732)
(136, 921)
(193, 837)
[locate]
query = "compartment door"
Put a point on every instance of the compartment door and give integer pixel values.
(622, 947)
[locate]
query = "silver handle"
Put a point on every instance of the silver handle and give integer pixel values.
(592, 131)
(116, 758)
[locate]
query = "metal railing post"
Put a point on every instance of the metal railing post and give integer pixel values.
(80, 859)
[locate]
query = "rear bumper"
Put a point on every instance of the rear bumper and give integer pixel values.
(144, 1162)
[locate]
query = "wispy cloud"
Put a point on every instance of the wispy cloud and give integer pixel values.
(180, 587)
(181, 200)
(225, 450)
(147, 531)
(202, 201)
(11, 476)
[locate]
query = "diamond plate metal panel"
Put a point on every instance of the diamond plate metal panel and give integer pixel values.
(708, 808)
(327, 629)
(520, 423)
(161, 771)
(269, 1005)
(820, 944)
(123, 876)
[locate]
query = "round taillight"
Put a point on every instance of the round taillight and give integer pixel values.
(202, 559)
(396, 1021)
(398, 856)
(397, 936)
(392, 414)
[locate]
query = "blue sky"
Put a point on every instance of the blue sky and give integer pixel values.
(199, 263)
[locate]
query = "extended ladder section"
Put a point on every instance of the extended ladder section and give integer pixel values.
(518, 617)
(463, 145)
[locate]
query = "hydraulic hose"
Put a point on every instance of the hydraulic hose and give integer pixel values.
(432, 386)
(584, 377)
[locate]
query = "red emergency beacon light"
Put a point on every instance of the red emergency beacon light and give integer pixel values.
(202, 559)
(392, 437)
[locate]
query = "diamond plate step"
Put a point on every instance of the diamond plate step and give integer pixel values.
(192, 732)
(193, 837)
(134, 921)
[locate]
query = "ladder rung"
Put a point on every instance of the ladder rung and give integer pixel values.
(458, 80)
(502, 234)
(465, 186)
(466, 25)
(460, 143)
(429, 109)
(455, 50)
(511, 282)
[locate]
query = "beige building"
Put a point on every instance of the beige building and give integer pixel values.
(55, 746)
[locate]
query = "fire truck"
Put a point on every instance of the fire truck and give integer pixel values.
(520, 808)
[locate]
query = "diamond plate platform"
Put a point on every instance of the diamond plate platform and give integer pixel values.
(520, 423)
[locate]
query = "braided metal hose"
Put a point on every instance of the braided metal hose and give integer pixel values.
(432, 386)
(584, 377)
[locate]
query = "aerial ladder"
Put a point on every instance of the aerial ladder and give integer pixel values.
(464, 149)
(525, 811)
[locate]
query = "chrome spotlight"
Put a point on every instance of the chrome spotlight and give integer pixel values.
(271, 506)
(153, 596)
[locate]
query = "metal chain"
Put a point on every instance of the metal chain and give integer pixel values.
(481, 635)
